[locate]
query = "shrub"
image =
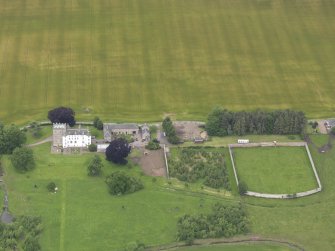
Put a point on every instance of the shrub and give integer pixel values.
(23, 159)
(119, 183)
(95, 166)
(242, 187)
(51, 187)
(152, 146)
(92, 147)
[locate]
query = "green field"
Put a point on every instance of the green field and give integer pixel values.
(138, 60)
(83, 216)
(276, 170)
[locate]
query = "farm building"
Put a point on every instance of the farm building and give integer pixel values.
(111, 130)
(329, 124)
(65, 137)
(145, 131)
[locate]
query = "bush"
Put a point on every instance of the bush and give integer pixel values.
(51, 187)
(95, 166)
(119, 183)
(97, 123)
(92, 147)
(23, 159)
(152, 146)
(170, 131)
(242, 188)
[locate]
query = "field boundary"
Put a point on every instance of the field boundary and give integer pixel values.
(273, 144)
(231, 241)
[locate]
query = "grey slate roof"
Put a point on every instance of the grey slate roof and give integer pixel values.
(331, 122)
(112, 126)
(77, 131)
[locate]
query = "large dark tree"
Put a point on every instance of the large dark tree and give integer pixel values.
(117, 151)
(62, 115)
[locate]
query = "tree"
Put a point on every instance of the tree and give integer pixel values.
(170, 131)
(92, 148)
(95, 166)
(51, 187)
(332, 131)
(10, 138)
(153, 145)
(23, 159)
(97, 123)
(62, 115)
(119, 183)
(242, 187)
(117, 151)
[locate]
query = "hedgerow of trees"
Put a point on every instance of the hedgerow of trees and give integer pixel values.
(170, 131)
(23, 159)
(120, 183)
(22, 234)
(223, 221)
(62, 115)
(222, 122)
(11, 137)
(192, 164)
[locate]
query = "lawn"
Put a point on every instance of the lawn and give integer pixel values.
(277, 170)
(138, 60)
(84, 216)
(46, 131)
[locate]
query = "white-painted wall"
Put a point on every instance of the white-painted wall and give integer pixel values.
(76, 141)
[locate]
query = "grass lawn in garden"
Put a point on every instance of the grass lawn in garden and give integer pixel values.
(46, 131)
(276, 170)
(82, 215)
(138, 60)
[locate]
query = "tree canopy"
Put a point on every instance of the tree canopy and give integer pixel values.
(97, 123)
(222, 122)
(170, 131)
(223, 221)
(23, 159)
(117, 151)
(95, 166)
(119, 183)
(10, 138)
(62, 115)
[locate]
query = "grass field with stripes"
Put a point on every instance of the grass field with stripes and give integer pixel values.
(139, 60)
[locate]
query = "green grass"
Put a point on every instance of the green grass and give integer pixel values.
(319, 139)
(46, 131)
(84, 216)
(277, 170)
(138, 60)
(237, 247)
(225, 141)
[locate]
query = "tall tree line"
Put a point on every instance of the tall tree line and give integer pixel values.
(222, 122)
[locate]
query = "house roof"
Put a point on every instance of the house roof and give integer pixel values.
(331, 122)
(77, 131)
(112, 126)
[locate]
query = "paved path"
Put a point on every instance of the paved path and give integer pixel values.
(49, 139)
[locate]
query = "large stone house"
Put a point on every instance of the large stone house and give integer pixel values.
(66, 137)
(111, 130)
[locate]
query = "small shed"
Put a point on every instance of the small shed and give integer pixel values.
(242, 141)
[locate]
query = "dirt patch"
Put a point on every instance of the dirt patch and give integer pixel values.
(188, 130)
(153, 163)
